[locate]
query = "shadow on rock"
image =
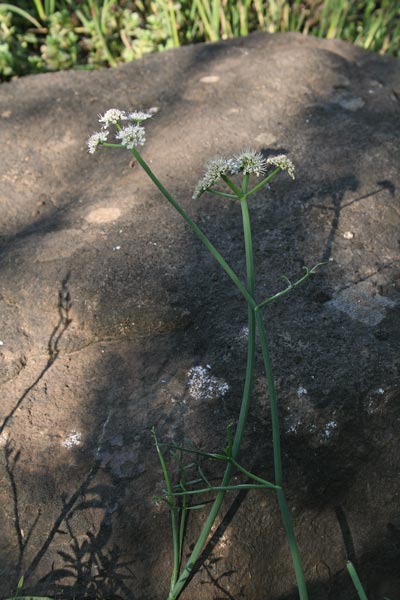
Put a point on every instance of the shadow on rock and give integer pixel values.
(53, 346)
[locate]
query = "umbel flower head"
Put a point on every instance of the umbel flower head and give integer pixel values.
(215, 169)
(130, 136)
(248, 162)
(283, 162)
(111, 117)
(96, 139)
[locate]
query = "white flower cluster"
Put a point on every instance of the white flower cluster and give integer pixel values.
(248, 162)
(215, 169)
(96, 139)
(283, 162)
(130, 136)
(114, 116)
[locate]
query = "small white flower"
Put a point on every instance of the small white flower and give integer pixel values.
(112, 117)
(283, 162)
(138, 116)
(96, 139)
(215, 169)
(250, 162)
(131, 136)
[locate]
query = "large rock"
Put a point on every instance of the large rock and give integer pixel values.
(156, 333)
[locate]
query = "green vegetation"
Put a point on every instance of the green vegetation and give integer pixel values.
(235, 175)
(49, 35)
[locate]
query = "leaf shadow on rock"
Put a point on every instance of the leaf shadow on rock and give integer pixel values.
(53, 346)
(90, 566)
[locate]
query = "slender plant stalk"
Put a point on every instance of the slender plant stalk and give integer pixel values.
(226, 458)
(22, 13)
(205, 21)
(97, 24)
(174, 515)
(273, 405)
(174, 27)
(244, 410)
(290, 285)
(228, 270)
(254, 320)
(229, 469)
(356, 581)
(223, 488)
(285, 513)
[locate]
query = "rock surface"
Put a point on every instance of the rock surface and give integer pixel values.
(114, 319)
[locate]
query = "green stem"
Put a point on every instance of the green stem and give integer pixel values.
(253, 477)
(174, 28)
(237, 191)
(291, 285)
(23, 13)
(286, 518)
(223, 194)
(356, 581)
(225, 458)
(224, 488)
(110, 145)
(244, 409)
(263, 182)
(180, 584)
(274, 409)
(205, 20)
(182, 522)
(228, 270)
(249, 248)
(97, 25)
(174, 514)
(294, 551)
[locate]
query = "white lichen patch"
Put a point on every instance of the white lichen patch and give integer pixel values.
(301, 391)
(329, 428)
(204, 386)
(243, 334)
(73, 439)
(294, 425)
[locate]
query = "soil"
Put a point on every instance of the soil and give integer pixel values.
(115, 319)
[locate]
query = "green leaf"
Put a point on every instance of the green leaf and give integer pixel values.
(22, 13)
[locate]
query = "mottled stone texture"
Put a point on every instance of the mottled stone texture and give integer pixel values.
(156, 334)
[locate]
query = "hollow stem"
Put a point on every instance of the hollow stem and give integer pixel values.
(290, 285)
(224, 488)
(196, 229)
(356, 581)
(285, 513)
(174, 514)
(244, 410)
(263, 182)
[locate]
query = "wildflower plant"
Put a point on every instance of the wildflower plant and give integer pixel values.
(229, 178)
